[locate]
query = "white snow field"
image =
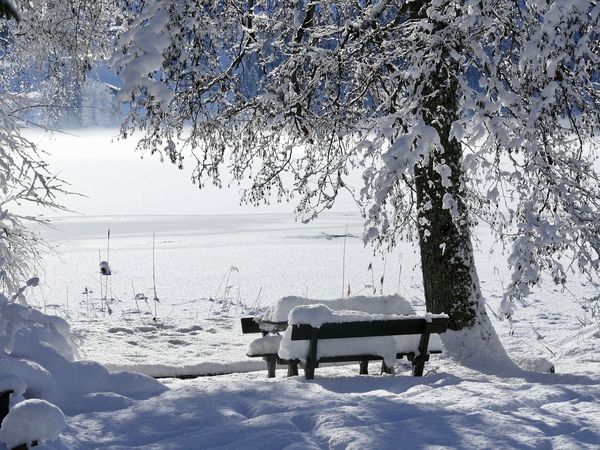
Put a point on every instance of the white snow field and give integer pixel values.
(211, 270)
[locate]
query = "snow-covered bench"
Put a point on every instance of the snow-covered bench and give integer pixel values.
(267, 346)
(274, 321)
(317, 334)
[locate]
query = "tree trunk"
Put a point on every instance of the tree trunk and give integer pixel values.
(447, 263)
(449, 275)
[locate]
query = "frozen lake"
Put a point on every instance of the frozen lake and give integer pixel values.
(264, 256)
(210, 270)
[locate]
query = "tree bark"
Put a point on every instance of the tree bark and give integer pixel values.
(449, 275)
(447, 263)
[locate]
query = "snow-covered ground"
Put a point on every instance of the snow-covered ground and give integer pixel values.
(454, 408)
(210, 270)
(213, 269)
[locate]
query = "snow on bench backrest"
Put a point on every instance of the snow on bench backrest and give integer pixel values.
(319, 314)
(386, 305)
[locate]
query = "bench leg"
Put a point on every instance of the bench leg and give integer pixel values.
(386, 369)
(419, 365)
(271, 362)
(419, 361)
(312, 361)
(292, 370)
(309, 373)
(364, 367)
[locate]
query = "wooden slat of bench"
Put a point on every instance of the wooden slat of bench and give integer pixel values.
(354, 358)
(373, 328)
(249, 325)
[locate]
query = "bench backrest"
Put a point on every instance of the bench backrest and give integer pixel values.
(250, 325)
(397, 327)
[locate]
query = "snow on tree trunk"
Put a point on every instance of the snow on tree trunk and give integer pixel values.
(447, 262)
(450, 281)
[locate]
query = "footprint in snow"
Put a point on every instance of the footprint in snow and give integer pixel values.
(189, 329)
(119, 330)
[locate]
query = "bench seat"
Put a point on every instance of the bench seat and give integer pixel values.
(265, 345)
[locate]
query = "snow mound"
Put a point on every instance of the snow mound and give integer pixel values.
(535, 364)
(66, 383)
(388, 304)
(50, 329)
(316, 315)
(264, 345)
(479, 348)
(32, 420)
(37, 361)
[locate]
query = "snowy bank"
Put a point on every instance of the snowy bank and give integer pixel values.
(454, 409)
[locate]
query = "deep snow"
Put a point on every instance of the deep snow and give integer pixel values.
(451, 406)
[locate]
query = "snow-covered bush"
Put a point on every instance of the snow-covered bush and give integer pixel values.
(32, 420)
(37, 361)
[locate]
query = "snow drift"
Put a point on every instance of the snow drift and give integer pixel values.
(37, 363)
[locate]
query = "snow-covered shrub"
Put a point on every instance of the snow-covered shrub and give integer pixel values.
(32, 420)
(37, 361)
(17, 319)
